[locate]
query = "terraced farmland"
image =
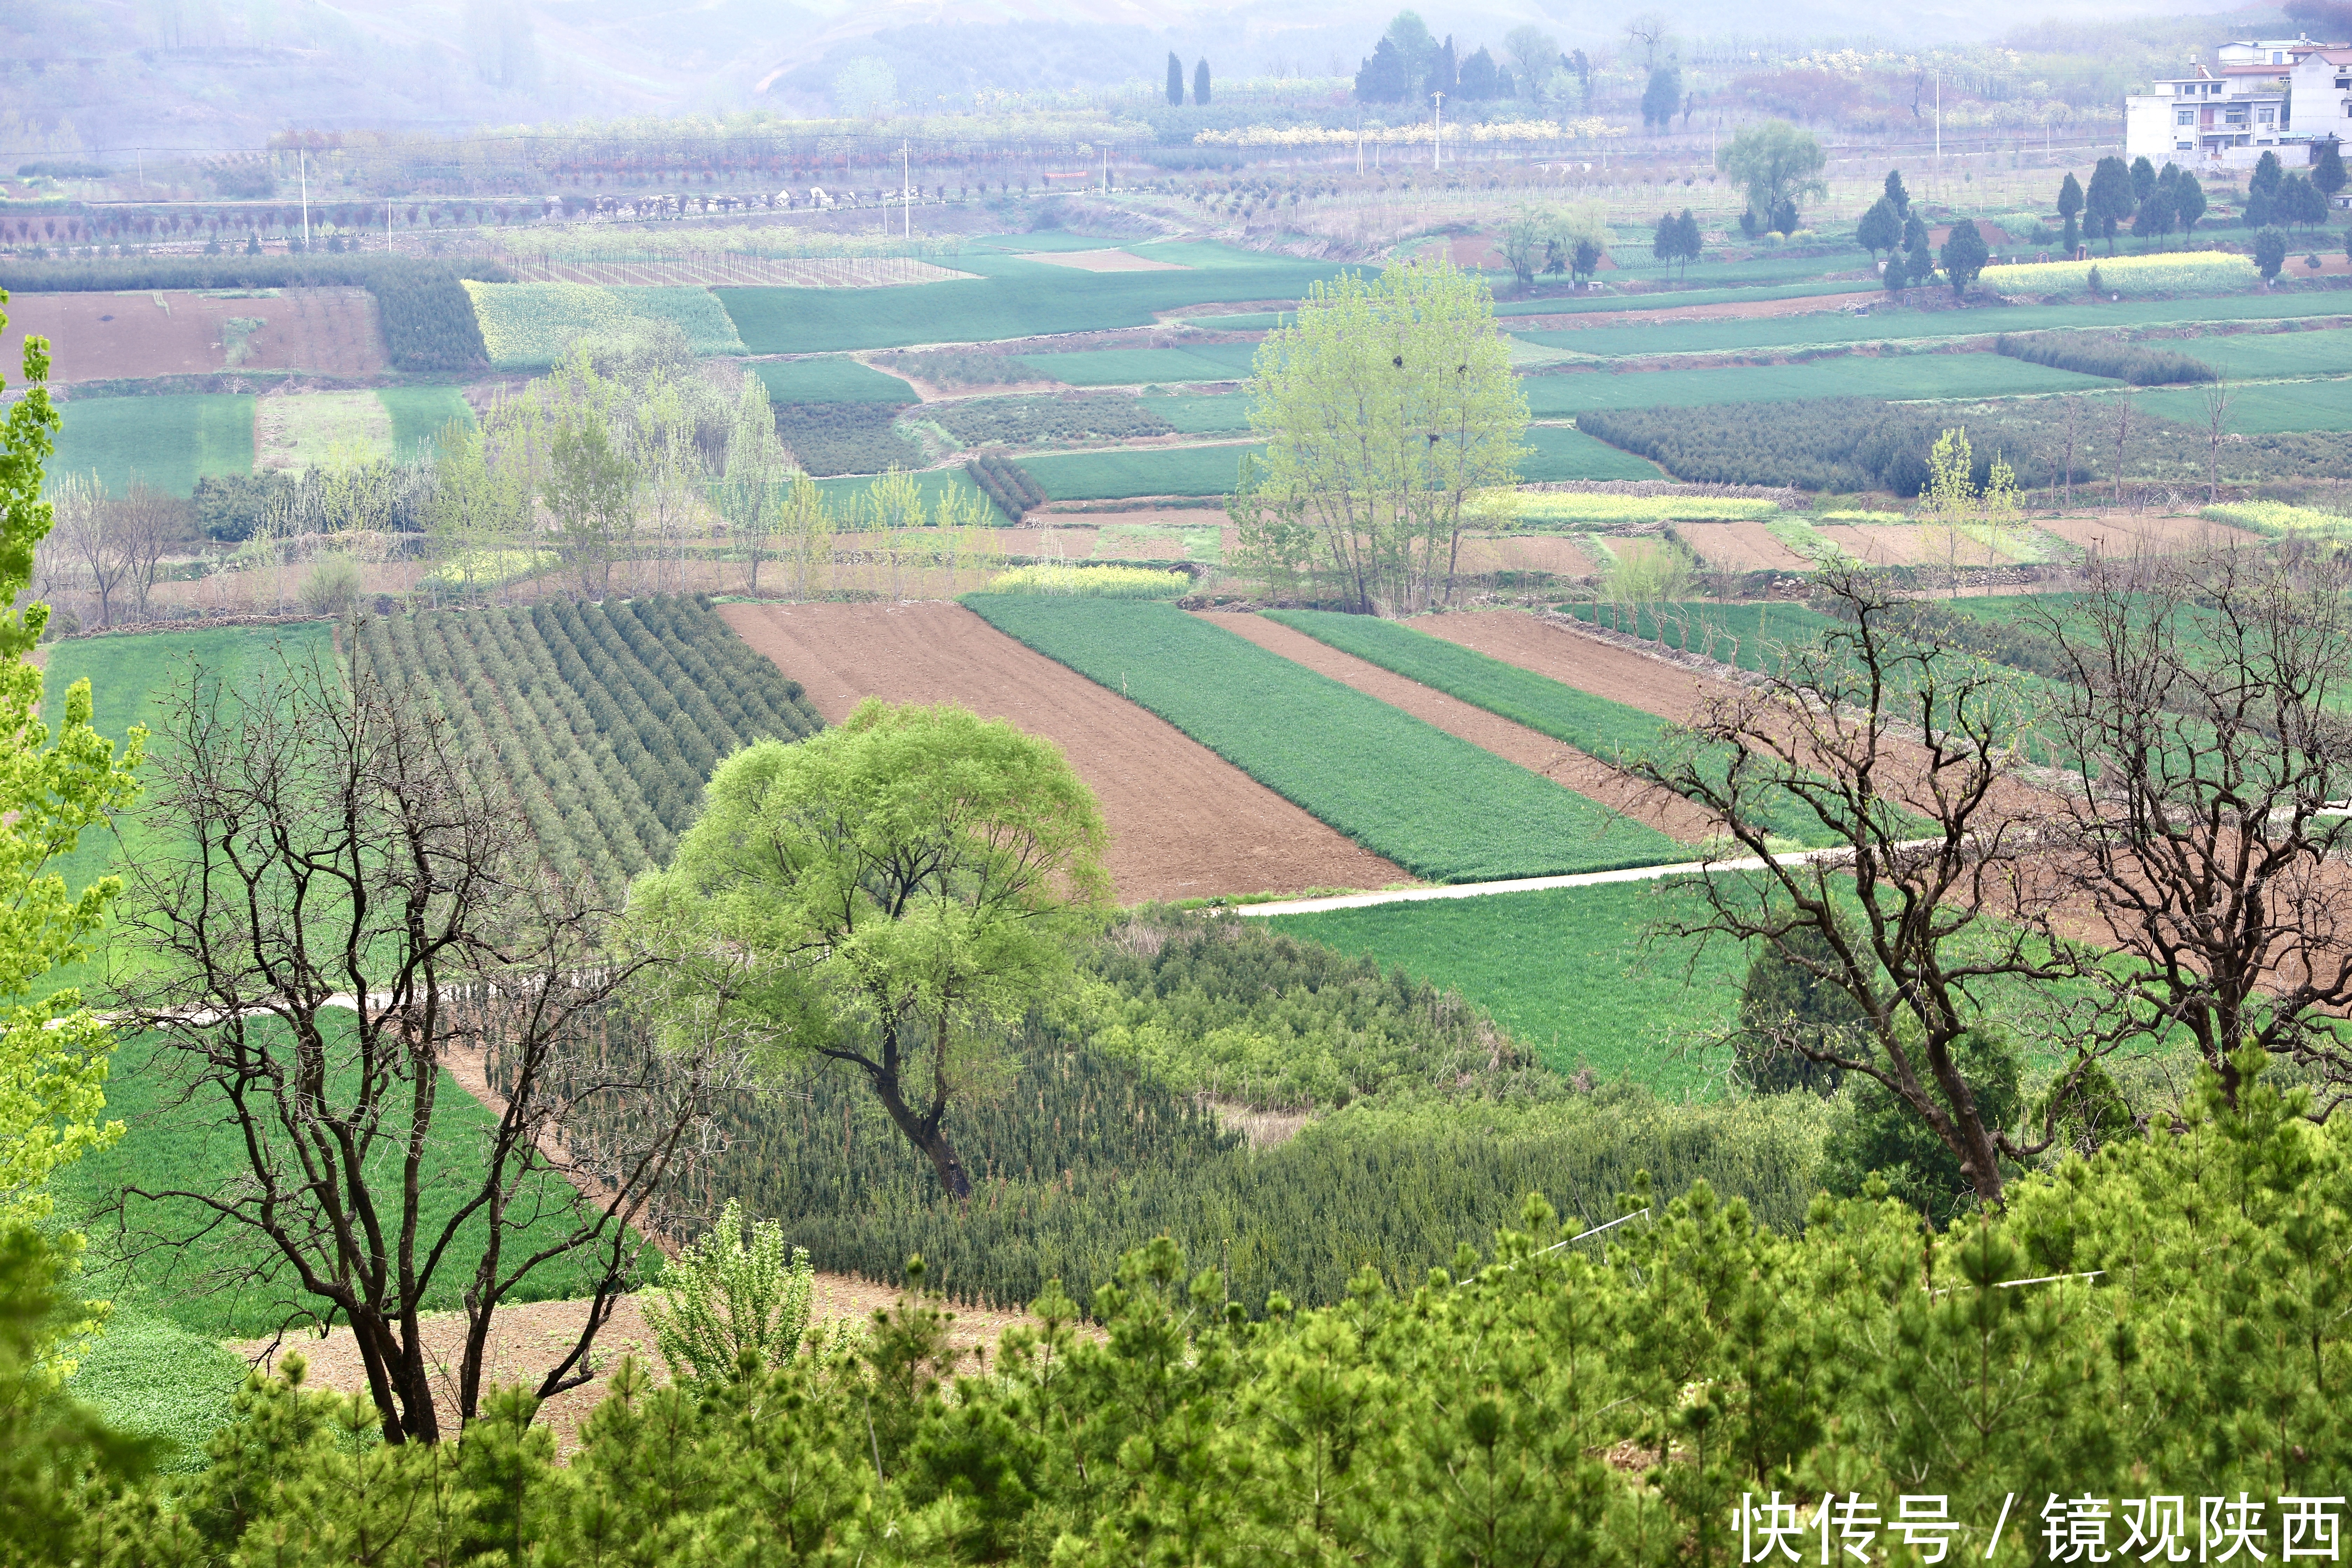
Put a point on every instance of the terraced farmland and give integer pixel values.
(1437, 806)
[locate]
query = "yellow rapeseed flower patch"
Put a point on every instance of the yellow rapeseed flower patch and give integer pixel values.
(1094, 581)
(2178, 272)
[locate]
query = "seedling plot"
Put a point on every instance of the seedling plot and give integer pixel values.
(1437, 805)
(607, 720)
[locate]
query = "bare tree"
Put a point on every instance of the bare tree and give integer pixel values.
(2203, 834)
(2219, 396)
(337, 914)
(146, 522)
(2123, 438)
(2070, 430)
(89, 528)
(1904, 755)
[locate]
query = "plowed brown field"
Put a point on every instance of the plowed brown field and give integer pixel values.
(2121, 534)
(95, 337)
(1586, 663)
(1531, 749)
(1741, 547)
(1184, 823)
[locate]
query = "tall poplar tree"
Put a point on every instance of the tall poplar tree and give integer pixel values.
(1387, 408)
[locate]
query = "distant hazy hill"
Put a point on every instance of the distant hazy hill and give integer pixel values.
(103, 75)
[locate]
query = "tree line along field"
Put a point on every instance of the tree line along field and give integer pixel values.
(604, 719)
(1435, 804)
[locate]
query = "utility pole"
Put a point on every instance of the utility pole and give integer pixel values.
(906, 192)
(303, 155)
(1437, 137)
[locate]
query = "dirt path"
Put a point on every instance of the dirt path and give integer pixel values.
(1531, 749)
(529, 1336)
(1184, 823)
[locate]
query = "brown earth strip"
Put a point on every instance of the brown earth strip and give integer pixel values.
(1532, 750)
(1586, 663)
(2115, 534)
(1741, 547)
(1184, 823)
(95, 337)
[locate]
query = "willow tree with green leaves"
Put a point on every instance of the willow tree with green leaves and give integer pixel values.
(1387, 409)
(890, 896)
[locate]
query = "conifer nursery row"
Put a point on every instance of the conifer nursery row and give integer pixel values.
(606, 719)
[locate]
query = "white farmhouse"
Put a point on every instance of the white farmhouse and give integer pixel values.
(2260, 94)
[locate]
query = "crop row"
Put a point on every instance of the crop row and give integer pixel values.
(1006, 484)
(605, 720)
(1041, 420)
(832, 439)
(1614, 733)
(1435, 804)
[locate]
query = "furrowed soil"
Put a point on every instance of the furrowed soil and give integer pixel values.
(1586, 663)
(1183, 822)
(1741, 547)
(2120, 533)
(1531, 749)
(96, 337)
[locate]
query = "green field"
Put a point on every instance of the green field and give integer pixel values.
(1565, 970)
(1137, 367)
(1749, 635)
(835, 378)
(1947, 375)
(168, 442)
(1560, 452)
(1143, 471)
(421, 413)
(1896, 324)
(527, 325)
(1556, 452)
(1198, 414)
(1011, 299)
(2254, 356)
(2261, 408)
(1614, 733)
(1437, 805)
(848, 492)
(693, 311)
(131, 677)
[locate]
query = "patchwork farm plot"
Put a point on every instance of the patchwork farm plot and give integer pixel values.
(1434, 804)
(1183, 822)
